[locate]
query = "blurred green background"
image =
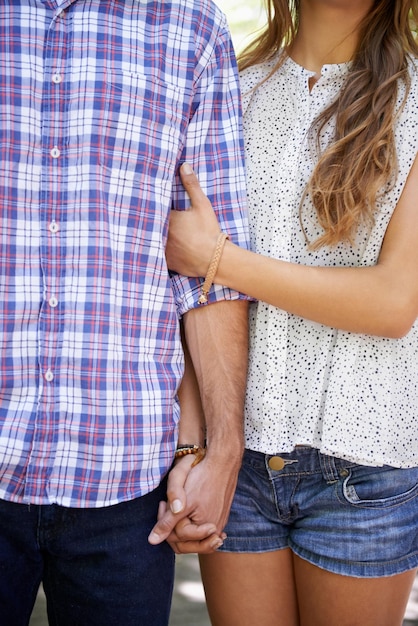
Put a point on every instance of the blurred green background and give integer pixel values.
(244, 18)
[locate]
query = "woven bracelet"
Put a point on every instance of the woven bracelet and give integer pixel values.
(213, 266)
(198, 451)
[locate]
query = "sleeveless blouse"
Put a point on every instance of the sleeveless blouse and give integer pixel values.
(354, 396)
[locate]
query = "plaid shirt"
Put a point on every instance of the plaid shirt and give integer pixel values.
(100, 100)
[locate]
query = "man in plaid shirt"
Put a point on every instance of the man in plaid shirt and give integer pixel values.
(100, 102)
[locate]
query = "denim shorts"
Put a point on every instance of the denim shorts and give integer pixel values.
(346, 518)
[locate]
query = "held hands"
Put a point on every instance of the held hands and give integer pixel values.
(187, 536)
(194, 496)
(193, 233)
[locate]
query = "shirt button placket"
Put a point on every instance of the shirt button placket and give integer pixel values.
(53, 128)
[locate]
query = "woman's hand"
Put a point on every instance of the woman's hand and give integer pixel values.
(193, 233)
(196, 511)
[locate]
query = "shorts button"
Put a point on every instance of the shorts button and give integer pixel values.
(344, 473)
(276, 463)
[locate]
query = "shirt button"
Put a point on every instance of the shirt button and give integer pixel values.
(57, 78)
(53, 227)
(53, 302)
(55, 153)
(49, 376)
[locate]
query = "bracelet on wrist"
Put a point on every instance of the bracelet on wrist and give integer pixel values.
(213, 266)
(195, 449)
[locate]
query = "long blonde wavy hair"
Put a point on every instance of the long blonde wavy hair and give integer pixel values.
(361, 160)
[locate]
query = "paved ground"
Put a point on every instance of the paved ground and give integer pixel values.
(189, 604)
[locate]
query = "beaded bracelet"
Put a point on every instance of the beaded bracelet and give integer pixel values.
(213, 266)
(198, 451)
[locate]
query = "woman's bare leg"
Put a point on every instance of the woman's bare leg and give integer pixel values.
(250, 589)
(327, 599)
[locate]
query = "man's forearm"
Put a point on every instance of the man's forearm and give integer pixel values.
(192, 427)
(217, 339)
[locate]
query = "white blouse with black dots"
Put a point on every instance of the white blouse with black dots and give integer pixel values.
(350, 395)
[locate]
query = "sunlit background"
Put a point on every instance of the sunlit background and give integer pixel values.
(244, 18)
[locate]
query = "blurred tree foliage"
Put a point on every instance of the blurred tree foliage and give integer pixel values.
(244, 19)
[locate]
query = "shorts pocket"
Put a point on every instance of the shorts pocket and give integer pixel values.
(380, 487)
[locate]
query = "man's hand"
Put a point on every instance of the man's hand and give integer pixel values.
(186, 536)
(198, 506)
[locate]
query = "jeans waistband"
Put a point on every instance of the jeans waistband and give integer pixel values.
(304, 459)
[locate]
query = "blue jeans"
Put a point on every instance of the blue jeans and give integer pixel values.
(96, 565)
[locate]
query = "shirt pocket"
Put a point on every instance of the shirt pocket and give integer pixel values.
(143, 121)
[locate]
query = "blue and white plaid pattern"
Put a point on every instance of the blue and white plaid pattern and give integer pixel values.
(100, 100)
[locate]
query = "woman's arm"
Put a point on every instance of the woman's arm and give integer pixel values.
(379, 300)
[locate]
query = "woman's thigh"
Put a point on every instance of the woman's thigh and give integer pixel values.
(248, 589)
(325, 598)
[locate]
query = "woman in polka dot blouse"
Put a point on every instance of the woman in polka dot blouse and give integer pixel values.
(324, 525)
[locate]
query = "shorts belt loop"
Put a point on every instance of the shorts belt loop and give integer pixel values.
(329, 468)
